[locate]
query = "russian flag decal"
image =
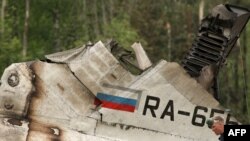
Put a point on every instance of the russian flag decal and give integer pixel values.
(116, 102)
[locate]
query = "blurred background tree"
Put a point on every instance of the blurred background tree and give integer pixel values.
(30, 29)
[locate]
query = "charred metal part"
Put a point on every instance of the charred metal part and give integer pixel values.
(13, 121)
(51, 133)
(216, 37)
(13, 79)
(125, 57)
(56, 131)
(89, 44)
(8, 106)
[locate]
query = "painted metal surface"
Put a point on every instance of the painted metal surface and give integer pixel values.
(85, 94)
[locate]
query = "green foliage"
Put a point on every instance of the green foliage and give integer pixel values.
(10, 52)
(120, 30)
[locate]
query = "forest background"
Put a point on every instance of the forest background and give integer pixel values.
(30, 29)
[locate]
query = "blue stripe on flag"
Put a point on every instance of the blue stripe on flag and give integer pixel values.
(116, 99)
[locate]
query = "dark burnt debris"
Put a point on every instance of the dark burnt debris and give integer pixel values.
(217, 35)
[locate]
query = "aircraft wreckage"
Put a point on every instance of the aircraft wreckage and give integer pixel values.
(88, 93)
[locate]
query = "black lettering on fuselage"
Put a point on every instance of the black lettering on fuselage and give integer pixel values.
(213, 111)
(152, 108)
(196, 116)
(169, 110)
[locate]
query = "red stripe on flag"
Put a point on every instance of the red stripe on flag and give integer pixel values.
(116, 106)
(97, 102)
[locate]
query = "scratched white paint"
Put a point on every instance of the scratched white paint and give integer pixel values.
(154, 83)
(65, 92)
(94, 66)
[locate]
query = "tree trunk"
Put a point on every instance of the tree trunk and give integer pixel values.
(201, 10)
(96, 20)
(111, 9)
(104, 17)
(168, 26)
(245, 76)
(85, 19)
(90, 18)
(26, 28)
(236, 70)
(56, 29)
(130, 6)
(4, 2)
